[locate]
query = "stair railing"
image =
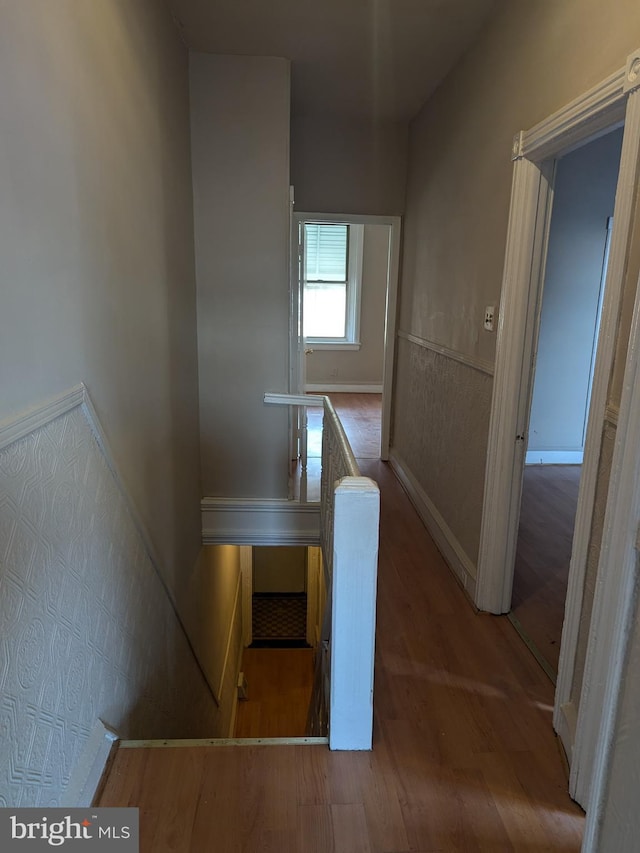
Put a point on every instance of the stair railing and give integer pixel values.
(349, 525)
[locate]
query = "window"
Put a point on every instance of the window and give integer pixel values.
(332, 283)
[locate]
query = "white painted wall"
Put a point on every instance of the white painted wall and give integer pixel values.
(240, 145)
(363, 366)
(211, 609)
(583, 200)
(96, 239)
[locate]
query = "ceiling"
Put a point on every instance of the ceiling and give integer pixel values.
(377, 59)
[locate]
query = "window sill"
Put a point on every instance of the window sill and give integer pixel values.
(330, 345)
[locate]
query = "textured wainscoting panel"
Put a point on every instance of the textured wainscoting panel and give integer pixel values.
(593, 555)
(87, 630)
(440, 430)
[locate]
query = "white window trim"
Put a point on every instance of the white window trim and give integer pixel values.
(320, 344)
(351, 341)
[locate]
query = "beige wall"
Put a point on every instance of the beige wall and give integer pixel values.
(343, 165)
(211, 609)
(240, 140)
(96, 241)
(443, 431)
(363, 366)
(97, 286)
(279, 568)
(532, 59)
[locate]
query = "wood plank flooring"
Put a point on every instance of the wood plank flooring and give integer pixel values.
(545, 536)
(464, 755)
(361, 416)
(280, 683)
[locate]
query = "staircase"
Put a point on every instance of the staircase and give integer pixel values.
(341, 707)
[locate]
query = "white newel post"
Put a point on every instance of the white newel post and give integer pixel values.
(355, 571)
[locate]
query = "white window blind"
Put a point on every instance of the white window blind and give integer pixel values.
(326, 252)
(332, 283)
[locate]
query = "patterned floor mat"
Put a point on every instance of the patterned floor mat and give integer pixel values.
(279, 617)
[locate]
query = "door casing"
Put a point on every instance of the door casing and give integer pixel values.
(296, 345)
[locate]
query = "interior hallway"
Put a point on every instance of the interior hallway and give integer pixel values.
(464, 755)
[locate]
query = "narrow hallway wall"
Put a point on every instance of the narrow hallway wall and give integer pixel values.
(96, 237)
(529, 61)
(240, 141)
(97, 286)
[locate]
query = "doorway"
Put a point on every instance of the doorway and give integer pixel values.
(611, 104)
(345, 365)
(566, 347)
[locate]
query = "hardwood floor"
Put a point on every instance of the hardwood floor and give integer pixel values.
(545, 536)
(464, 755)
(361, 416)
(280, 683)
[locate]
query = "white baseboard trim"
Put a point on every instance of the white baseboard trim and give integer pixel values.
(251, 521)
(336, 388)
(554, 457)
(443, 536)
(87, 775)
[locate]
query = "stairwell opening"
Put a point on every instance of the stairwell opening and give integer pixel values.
(278, 662)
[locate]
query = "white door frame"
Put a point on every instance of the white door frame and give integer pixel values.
(604, 107)
(615, 608)
(393, 271)
(296, 356)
